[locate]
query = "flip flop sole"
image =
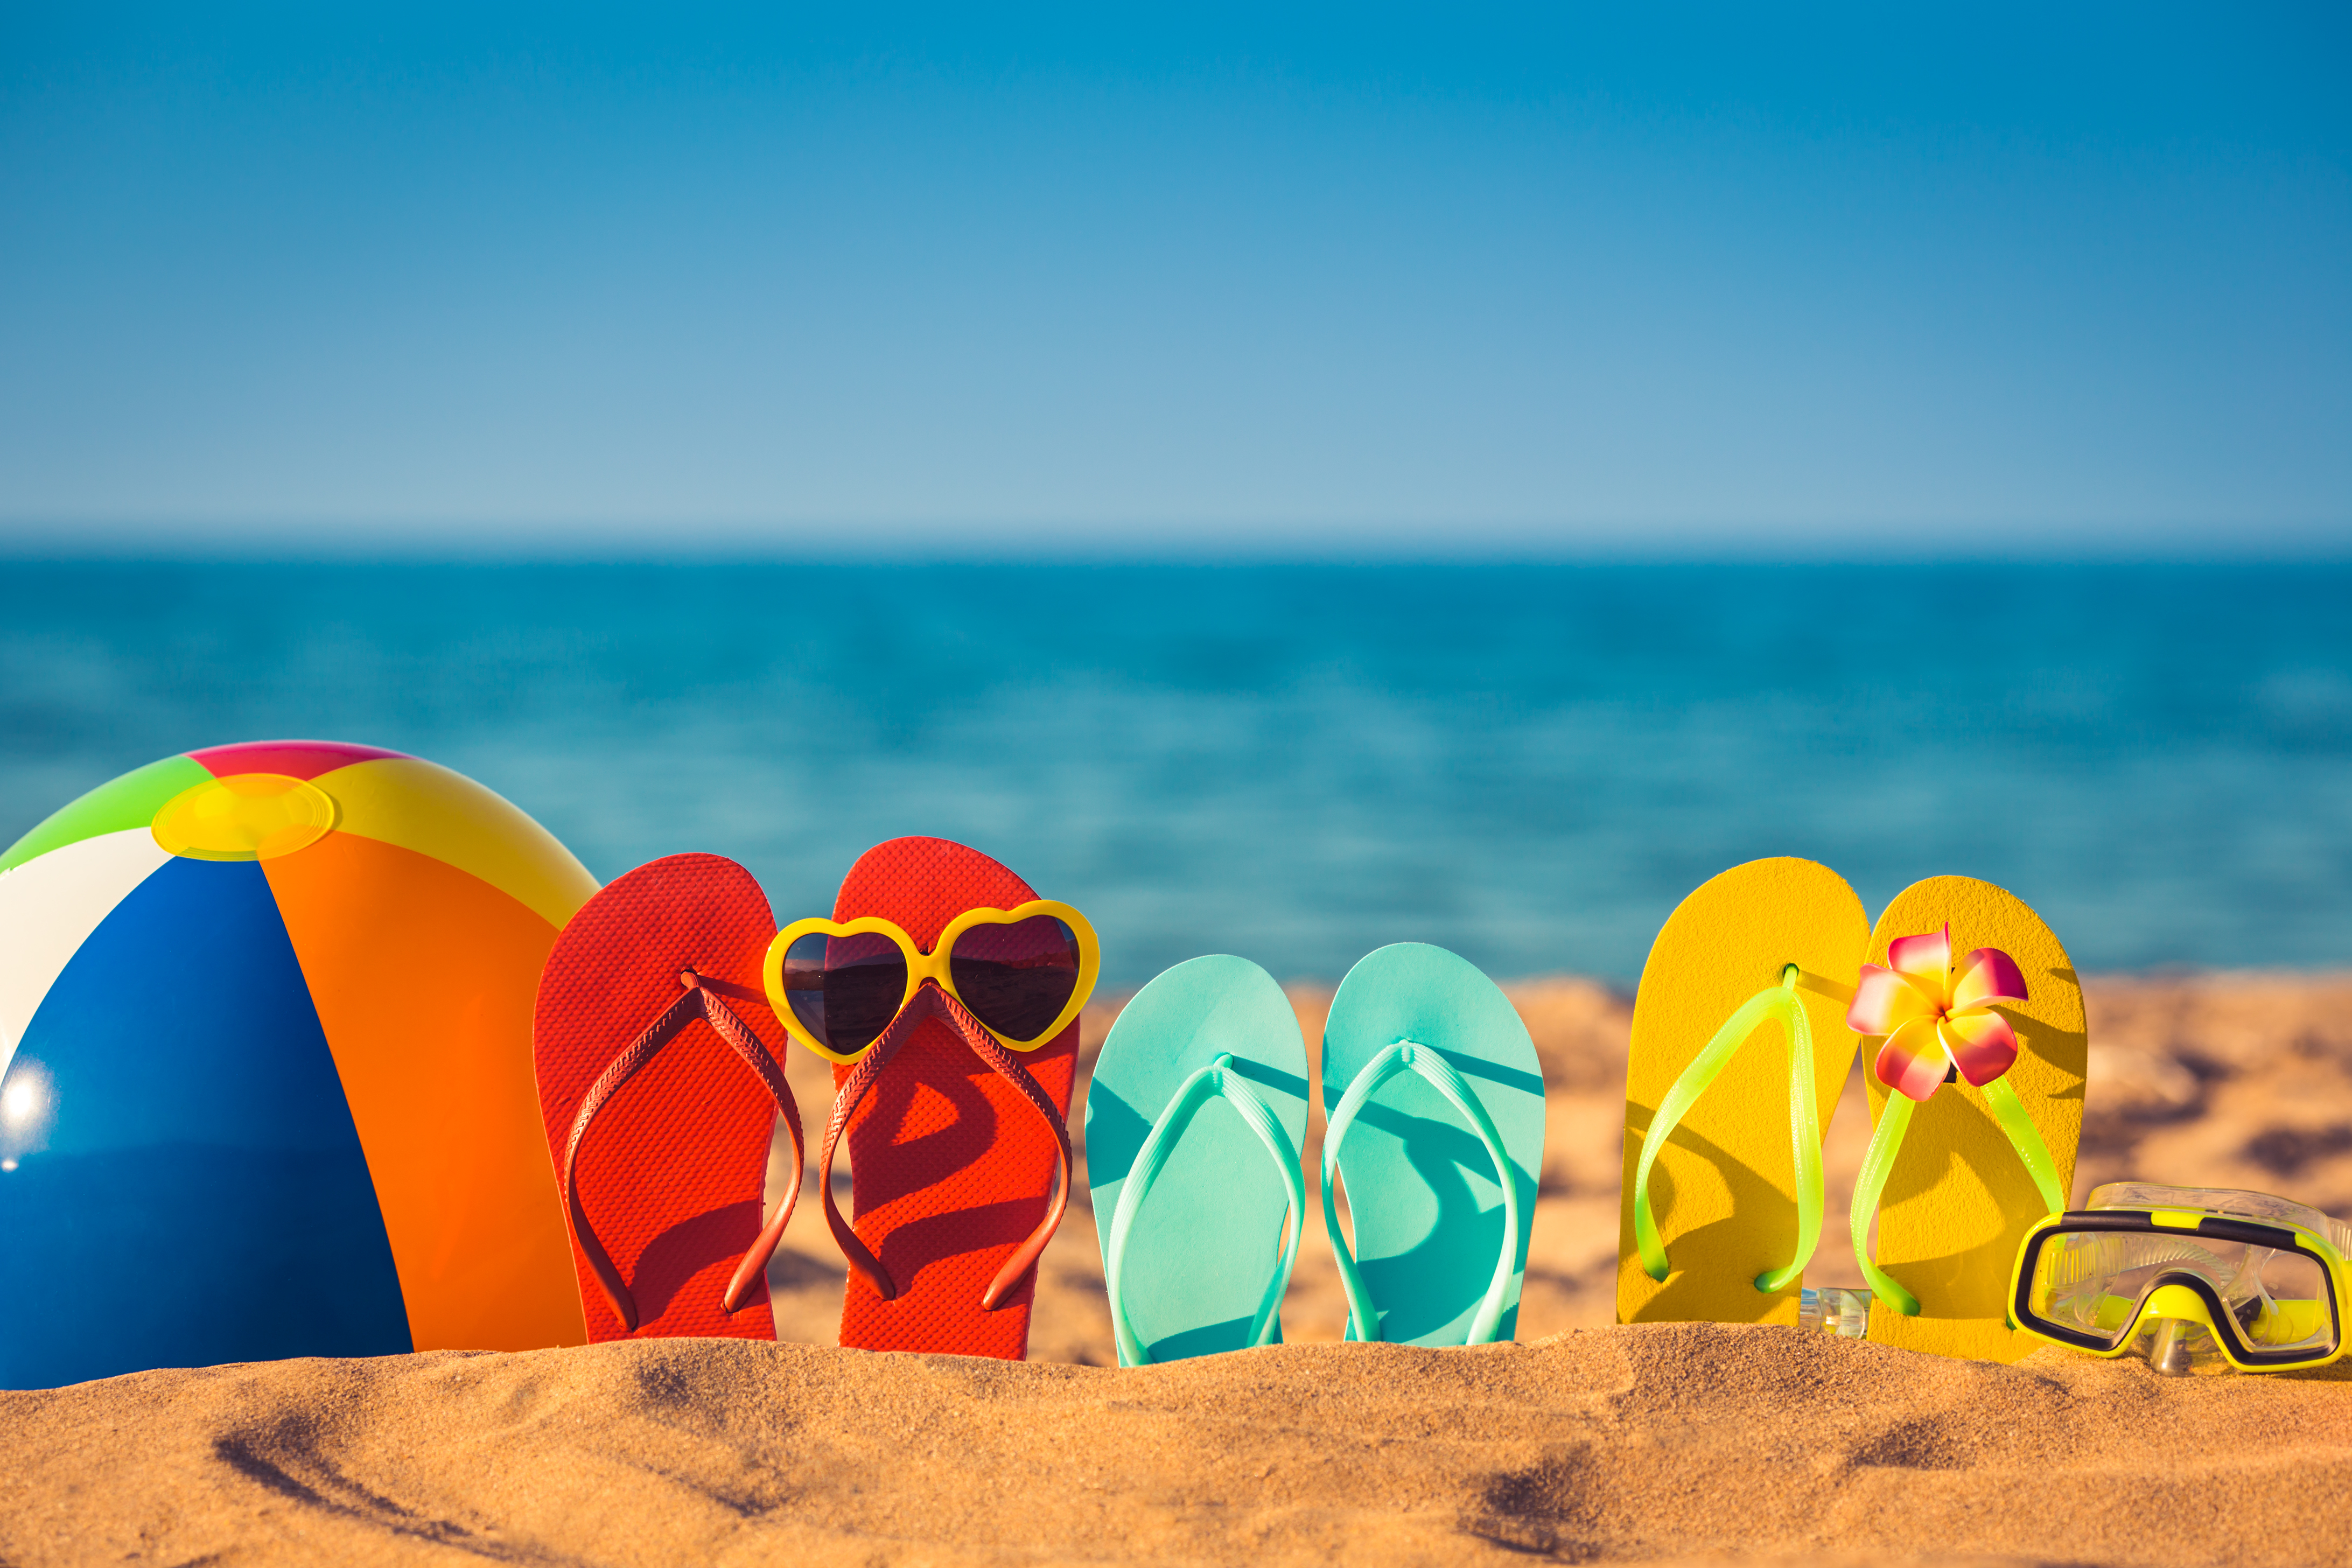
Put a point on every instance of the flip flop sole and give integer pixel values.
(1724, 1187)
(1204, 1244)
(1959, 1201)
(671, 1169)
(951, 1168)
(1423, 1195)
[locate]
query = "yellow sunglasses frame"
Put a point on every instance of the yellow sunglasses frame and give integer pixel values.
(933, 965)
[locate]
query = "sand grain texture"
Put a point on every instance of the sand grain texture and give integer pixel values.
(1655, 1443)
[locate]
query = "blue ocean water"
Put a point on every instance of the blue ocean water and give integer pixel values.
(1530, 764)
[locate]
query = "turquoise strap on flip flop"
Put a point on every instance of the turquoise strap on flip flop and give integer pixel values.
(1407, 1056)
(1218, 1080)
(1780, 1002)
(1886, 1143)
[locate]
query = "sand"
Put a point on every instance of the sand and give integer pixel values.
(1587, 1442)
(1651, 1443)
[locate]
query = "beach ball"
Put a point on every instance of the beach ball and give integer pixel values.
(265, 1072)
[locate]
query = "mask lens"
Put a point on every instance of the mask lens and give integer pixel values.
(2080, 1282)
(1017, 977)
(845, 990)
(2290, 1309)
(2093, 1282)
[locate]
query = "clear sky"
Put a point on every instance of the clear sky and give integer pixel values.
(1549, 278)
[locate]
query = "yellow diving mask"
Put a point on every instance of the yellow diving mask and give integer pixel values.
(2203, 1279)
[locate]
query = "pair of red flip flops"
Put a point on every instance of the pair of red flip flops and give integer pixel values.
(662, 1018)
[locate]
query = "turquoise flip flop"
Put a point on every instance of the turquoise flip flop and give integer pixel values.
(1436, 1108)
(1199, 1203)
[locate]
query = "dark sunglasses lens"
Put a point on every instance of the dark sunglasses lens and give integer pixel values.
(845, 990)
(1016, 978)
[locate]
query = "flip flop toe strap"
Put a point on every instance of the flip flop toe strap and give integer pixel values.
(931, 1002)
(1218, 1080)
(754, 1270)
(698, 1002)
(1878, 1163)
(1782, 1003)
(1407, 1056)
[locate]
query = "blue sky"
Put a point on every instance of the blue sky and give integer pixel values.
(1547, 280)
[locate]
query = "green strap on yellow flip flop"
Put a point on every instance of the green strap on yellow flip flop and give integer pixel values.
(1780, 1002)
(1886, 1143)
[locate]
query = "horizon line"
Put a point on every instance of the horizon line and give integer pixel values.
(1161, 542)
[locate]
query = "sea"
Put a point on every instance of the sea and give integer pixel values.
(1527, 763)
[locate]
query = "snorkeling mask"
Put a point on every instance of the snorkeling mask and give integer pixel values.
(2206, 1279)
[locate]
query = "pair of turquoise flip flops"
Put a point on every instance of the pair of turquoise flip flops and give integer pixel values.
(1435, 1114)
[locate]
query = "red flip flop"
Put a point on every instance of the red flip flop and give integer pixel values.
(658, 1081)
(958, 1149)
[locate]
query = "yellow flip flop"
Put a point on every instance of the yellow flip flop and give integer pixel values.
(1740, 1048)
(1972, 1019)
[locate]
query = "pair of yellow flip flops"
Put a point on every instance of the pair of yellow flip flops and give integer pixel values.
(1741, 1042)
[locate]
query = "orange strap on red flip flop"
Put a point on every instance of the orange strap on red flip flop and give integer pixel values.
(699, 1002)
(929, 1002)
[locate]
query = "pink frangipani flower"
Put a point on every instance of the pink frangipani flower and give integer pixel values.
(1937, 1014)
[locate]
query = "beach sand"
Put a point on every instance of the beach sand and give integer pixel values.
(1587, 1442)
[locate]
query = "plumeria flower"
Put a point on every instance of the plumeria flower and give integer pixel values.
(1937, 1016)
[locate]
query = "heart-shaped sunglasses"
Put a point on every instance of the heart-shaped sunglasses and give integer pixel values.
(1022, 972)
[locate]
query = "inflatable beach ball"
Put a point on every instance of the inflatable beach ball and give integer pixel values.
(265, 1022)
